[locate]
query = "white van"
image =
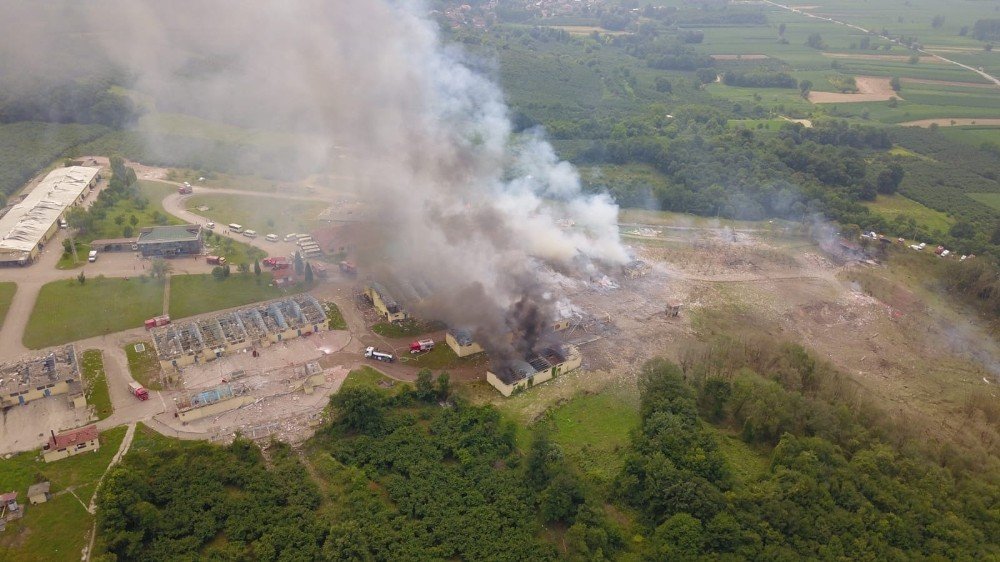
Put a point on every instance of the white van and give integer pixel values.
(210, 225)
(233, 227)
(271, 237)
(250, 233)
(290, 237)
(92, 256)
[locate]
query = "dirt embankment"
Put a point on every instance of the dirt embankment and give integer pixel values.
(870, 88)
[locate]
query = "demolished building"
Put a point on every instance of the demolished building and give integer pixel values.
(261, 325)
(53, 374)
(384, 303)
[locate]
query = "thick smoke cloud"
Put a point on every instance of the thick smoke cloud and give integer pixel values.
(463, 211)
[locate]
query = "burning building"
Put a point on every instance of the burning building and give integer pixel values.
(518, 374)
(384, 303)
(460, 341)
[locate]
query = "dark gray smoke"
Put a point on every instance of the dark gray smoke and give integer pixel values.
(463, 210)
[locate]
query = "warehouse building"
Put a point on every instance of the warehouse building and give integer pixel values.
(167, 241)
(460, 341)
(547, 365)
(261, 325)
(54, 374)
(28, 225)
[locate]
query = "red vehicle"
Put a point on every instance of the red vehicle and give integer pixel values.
(185, 190)
(215, 260)
(348, 268)
(157, 321)
(138, 391)
(276, 262)
(421, 346)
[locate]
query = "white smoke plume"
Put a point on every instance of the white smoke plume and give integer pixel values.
(463, 209)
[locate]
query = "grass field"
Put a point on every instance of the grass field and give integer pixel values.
(234, 251)
(973, 135)
(892, 206)
(195, 294)
(144, 366)
(989, 199)
(593, 430)
(67, 311)
(66, 261)
(404, 329)
(7, 290)
(442, 357)
(98, 395)
(335, 319)
(56, 530)
(367, 377)
(271, 215)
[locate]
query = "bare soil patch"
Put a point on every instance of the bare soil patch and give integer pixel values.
(950, 122)
(870, 88)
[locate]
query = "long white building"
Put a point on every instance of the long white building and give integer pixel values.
(31, 223)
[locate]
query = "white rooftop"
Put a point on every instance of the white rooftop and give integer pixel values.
(22, 228)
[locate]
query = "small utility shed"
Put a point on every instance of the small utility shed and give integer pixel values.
(39, 493)
(170, 240)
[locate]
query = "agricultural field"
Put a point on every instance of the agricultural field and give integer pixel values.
(28, 147)
(991, 200)
(277, 215)
(892, 206)
(973, 135)
(68, 310)
(197, 294)
(7, 290)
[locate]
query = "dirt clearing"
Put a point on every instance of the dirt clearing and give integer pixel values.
(870, 88)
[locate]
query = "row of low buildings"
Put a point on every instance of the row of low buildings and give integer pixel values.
(29, 224)
(259, 325)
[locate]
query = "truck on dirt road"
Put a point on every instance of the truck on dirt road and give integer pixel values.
(374, 353)
(421, 346)
(138, 391)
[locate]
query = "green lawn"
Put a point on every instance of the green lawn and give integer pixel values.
(96, 379)
(234, 251)
(404, 329)
(144, 366)
(593, 430)
(66, 260)
(122, 212)
(988, 199)
(892, 206)
(195, 294)
(442, 357)
(271, 215)
(67, 311)
(973, 134)
(367, 377)
(56, 530)
(7, 290)
(335, 319)
(747, 464)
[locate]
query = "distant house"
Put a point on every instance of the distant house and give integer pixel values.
(69, 443)
(39, 493)
(167, 241)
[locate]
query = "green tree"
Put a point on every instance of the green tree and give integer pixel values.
(425, 385)
(895, 84)
(226, 271)
(963, 230)
(663, 85)
(218, 273)
(360, 409)
(299, 264)
(67, 246)
(128, 231)
(82, 278)
(256, 266)
(781, 29)
(133, 220)
(815, 40)
(243, 267)
(681, 536)
(805, 86)
(561, 499)
(309, 274)
(443, 386)
(119, 220)
(159, 268)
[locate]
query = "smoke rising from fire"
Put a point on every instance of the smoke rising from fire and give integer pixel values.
(463, 211)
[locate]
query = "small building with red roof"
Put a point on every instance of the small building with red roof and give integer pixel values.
(72, 442)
